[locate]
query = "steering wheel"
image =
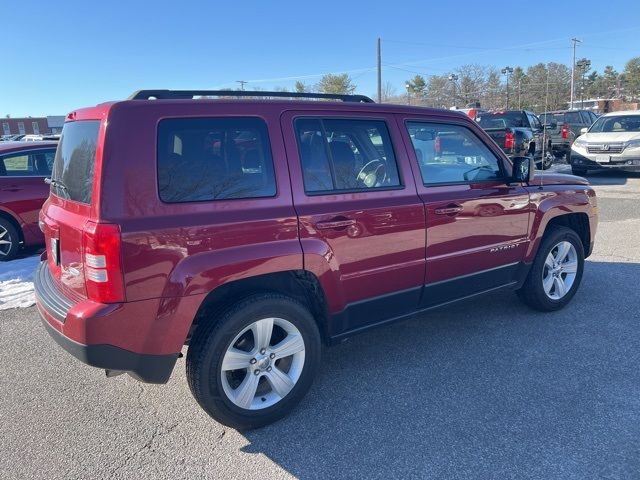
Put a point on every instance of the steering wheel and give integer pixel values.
(372, 174)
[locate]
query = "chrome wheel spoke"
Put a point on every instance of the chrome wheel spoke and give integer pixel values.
(563, 250)
(560, 288)
(246, 391)
(570, 267)
(236, 359)
(280, 382)
(547, 284)
(3, 232)
(549, 261)
(291, 345)
(262, 331)
(5, 242)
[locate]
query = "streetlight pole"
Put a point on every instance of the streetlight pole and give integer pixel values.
(583, 65)
(453, 78)
(573, 69)
(507, 71)
(408, 87)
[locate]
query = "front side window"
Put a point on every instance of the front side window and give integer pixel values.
(30, 164)
(203, 159)
(452, 154)
(345, 155)
(572, 117)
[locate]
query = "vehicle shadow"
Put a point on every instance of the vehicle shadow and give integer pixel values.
(596, 177)
(482, 389)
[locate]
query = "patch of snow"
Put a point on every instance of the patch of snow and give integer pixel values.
(16, 282)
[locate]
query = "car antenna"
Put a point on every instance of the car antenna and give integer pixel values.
(544, 132)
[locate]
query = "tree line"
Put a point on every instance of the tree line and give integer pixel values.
(540, 87)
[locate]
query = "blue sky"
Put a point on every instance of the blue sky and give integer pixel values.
(69, 54)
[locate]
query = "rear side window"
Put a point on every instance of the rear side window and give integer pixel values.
(29, 164)
(345, 155)
(203, 159)
(572, 117)
(75, 161)
(452, 154)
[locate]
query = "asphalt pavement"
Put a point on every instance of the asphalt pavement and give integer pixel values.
(480, 390)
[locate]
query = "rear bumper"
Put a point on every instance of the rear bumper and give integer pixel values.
(85, 328)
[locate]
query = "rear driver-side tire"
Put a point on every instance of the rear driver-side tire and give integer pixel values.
(252, 364)
(9, 241)
(556, 272)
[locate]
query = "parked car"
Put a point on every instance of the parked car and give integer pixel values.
(564, 127)
(32, 138)
(23, 168)
(253, 231)
(11, 137)
(612, 142)
(519, 132)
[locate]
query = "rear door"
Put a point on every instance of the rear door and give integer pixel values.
(477, 222)
(22, 187)
(359, 212)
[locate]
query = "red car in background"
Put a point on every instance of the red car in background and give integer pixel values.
(23, 168)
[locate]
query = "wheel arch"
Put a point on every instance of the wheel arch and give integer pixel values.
(300, 285)
(576, 221)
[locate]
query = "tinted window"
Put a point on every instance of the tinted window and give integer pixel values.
(75, 160)
(202, 159)
(452, 154)
(345, 155)
(502, 120)
(28, 164)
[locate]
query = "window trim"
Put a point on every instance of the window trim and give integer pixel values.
(321, 119)
(27, 152)
(500, 158)
(218, 117)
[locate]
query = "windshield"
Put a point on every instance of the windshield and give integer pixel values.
(501, 120)
(621, 123)
(75, 158)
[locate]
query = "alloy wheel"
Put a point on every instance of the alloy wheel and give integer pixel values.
(560, 269)
(262, 363)
(5, 241)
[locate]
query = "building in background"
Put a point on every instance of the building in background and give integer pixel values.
(604, 105)
(31, 125)
(24, 126)
(55, 123)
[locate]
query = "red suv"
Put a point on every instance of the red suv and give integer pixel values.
(255, 230)
(23, 168)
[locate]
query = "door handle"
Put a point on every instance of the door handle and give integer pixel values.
(450, 210)
(333, 224)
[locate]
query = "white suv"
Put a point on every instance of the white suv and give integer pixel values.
(613, 141)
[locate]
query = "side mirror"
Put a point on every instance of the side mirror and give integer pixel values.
(583, 130)
(523, 169)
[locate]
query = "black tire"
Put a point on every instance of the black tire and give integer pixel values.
(209, 345)
(532, 292)
(581, 172)
(9, 233)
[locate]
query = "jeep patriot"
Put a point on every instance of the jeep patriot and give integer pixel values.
(254, 230)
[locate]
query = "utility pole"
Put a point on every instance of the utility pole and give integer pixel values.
(573, 69)
(379, 71)
(507, 71)
(242, 84)
(408, 87)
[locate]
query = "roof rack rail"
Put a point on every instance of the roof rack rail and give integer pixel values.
(189, 94)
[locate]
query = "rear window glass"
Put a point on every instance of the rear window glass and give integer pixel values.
(201, 159)
(75, 161)
(501, 120)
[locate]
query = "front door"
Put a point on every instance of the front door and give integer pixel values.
(477, 222)
(361, 220)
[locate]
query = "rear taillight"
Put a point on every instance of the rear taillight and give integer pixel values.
(509, 140)
(437, 146)
(102, 265)
(565, 131)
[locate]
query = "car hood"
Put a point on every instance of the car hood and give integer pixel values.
(610, 137)
(557, 179)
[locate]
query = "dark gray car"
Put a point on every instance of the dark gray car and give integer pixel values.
(564, 127)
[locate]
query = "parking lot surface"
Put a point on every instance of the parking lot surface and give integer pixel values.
(481, 389)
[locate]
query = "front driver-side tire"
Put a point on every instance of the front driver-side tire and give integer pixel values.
(556, 271)
(252, 364)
